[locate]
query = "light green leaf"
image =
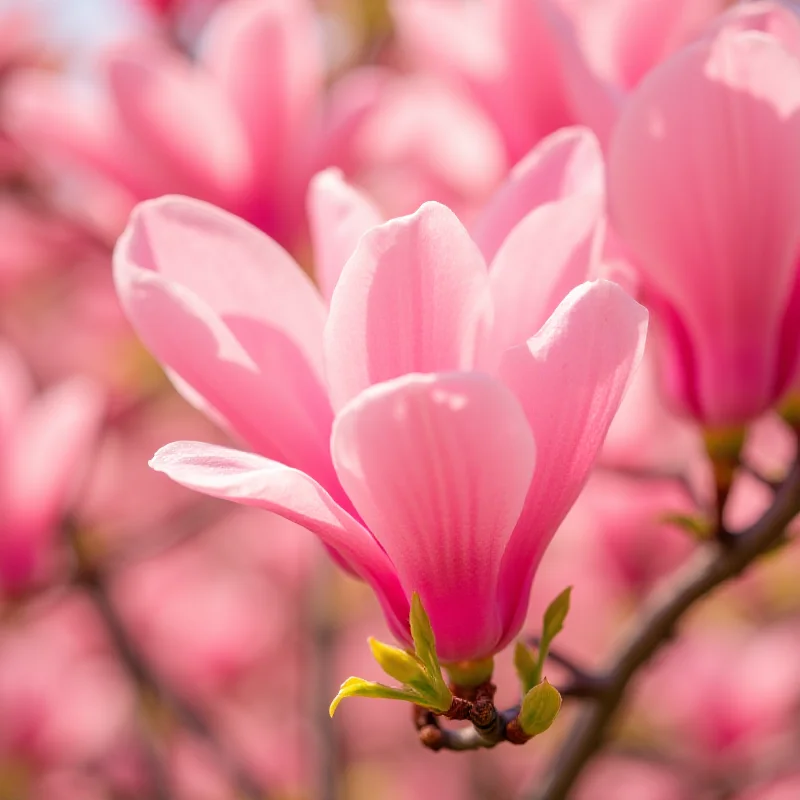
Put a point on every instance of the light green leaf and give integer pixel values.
(527, 666)
(554, 618)
(422, 634)
(698, 526)
(419, 672)
(398, 664)
(540, 707)
(358, 687)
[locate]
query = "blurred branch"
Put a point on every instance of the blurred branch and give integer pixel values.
(712, 567)
(322, 625)
(152, 688)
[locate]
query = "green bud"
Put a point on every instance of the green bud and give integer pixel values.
(419, 672)
(527, 666)
(540, 707)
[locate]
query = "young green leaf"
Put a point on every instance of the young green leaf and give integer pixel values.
(540, 707)
(397, 663)
(419, 672)
(358, 687)
(527, 666)
(554, 618)
(422, 634)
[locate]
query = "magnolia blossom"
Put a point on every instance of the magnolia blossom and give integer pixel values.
(538, 65)
(403, 424)
(239, 128)
(44, 444)
(247, 124)
(704, 187)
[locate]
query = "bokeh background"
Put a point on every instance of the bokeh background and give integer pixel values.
(159, 644)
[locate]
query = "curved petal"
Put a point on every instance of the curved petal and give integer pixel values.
(681, 194)
(438, 466)
(178, 114)
(339, 215)
(69, 130)
(566, 162)
(409, 300)
(570, 379)
(251, 333)
(231, 266)
(255, 481)
(16, 393)
(257, 380)
(547, 254)
(46, 456)
(266, 55)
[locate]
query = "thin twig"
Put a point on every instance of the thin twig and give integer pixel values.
(711, 567)
(150, 685)
(323, 640)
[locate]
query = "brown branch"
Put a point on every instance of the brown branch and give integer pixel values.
(711, 568)
(151, 686)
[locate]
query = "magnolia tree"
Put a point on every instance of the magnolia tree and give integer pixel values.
(496, 300)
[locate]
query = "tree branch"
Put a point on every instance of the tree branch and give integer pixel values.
(712, 567)
(149, 685)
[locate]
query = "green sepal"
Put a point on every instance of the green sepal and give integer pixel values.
(552, 624)
(358, 687)
(398, 664)
(539, 709)
(697, 526)
(419, 672)
(527, 666)
(554, 619)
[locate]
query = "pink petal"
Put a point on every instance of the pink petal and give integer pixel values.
(339, 215)
(234, 268)
(409, 300)
(255, 481)
(67, 130)
(552, 250)
(681, 194)
(16, 393)
(252, 375)
(570, 379)
(566, 162)
(438, 466)
(266, 55)
(178, 114)
(251, 342)
(47, 455)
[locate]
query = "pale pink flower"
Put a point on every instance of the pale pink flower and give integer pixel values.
(439, 467)
(63, 700)
(726, 696)
(241, 127)
(629, 779)
(45, 441)
(536, 66)
(704, 186)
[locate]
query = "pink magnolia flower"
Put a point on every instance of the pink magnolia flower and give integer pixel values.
(709, 131)
(44, 443)
(702, 697)
(63, 699)
(400, 425)
(240, 127)
(539, 65)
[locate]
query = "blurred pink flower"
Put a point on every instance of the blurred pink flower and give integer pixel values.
(786, 788)
(63, 700)
(727, 698)
(451, 451)
(711, 129)
(627, 779)
(45, 441)
(539, 65)
(241, 127)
